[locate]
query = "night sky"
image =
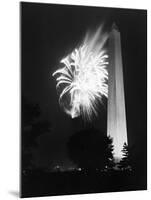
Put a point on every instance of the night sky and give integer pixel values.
(48, 33)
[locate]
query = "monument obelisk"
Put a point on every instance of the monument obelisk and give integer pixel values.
(116, 114)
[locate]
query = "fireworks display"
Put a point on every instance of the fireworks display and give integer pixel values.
(83, 78)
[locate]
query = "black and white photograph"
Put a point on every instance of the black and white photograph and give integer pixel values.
(83, 99)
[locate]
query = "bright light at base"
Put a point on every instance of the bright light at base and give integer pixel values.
(83, 78)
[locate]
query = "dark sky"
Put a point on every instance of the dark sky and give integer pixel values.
(48, 33)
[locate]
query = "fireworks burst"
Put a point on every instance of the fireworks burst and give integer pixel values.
(83, 78)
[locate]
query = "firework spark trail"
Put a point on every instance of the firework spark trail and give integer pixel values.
(83, 79)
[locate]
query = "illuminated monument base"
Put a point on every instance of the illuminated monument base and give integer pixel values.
(116, 124)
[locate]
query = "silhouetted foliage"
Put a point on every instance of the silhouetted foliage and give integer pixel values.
(125, 162)
(31, 133)
(32, 128)
(30, 111)
(91, 149)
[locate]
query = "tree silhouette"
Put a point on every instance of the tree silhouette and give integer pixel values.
(32, 127)
(91, 149)
(30, 111)
(125, 162)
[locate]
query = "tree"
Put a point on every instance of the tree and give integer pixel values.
(125, 162)
(30, 112)
(91, 149)
(32, 127)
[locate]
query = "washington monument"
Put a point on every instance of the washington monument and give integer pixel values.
(116, 122)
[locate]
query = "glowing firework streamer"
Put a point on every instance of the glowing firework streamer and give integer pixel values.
(83, 78)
